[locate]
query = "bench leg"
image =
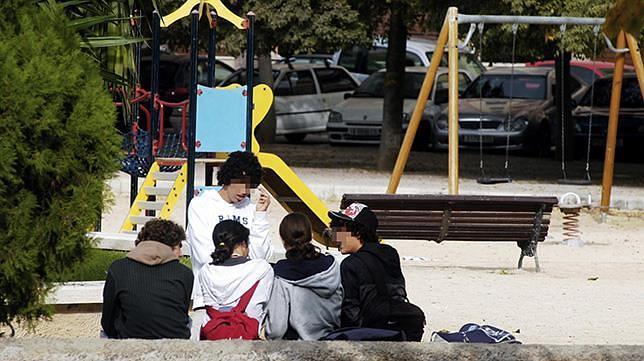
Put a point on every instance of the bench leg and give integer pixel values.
(536, 259)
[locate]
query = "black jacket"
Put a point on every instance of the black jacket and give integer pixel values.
(359, 284)
(147, 301)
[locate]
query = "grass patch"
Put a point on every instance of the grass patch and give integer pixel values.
(95, 265)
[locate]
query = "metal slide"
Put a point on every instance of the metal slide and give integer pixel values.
(289, 190)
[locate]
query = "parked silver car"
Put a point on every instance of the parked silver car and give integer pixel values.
(362, 62)
(304, 95)
(484, 109)
(358, 119)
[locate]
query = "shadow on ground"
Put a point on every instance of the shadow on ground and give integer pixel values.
(316, 152)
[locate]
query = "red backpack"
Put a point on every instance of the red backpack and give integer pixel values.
(232, 324)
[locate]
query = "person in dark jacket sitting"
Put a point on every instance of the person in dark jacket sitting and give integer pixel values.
(354, 228)
(147, 293)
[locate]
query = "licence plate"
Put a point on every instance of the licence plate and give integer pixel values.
(364, 132)
(475, 139)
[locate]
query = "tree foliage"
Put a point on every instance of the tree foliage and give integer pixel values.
(627, 15)
(58, 145)
(300, 26)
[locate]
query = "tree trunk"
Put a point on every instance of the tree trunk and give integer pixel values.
(391, 135)
(265, 132)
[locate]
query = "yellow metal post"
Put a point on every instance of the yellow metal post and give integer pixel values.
(412, 128)
(613, 117)
(452, 106)
(636, 55)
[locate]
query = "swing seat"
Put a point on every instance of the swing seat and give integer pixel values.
(498, 180)
(575, 182)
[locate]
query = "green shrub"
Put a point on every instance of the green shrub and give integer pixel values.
(94, 266)
(58, 145)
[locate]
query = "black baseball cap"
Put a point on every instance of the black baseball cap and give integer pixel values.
(359, 213)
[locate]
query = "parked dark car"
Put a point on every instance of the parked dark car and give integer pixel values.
(484, 109)
(630, 128)
(174, 80)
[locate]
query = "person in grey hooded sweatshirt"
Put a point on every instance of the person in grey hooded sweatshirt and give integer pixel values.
(307, 291)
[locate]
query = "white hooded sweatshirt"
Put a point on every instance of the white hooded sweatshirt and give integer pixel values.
(209, 209)
(223, 285)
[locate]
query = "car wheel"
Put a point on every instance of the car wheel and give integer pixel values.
(295, 137)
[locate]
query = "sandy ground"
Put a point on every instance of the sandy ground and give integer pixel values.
(590, 294)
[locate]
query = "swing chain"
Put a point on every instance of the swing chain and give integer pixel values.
(562, 50)
(480, 27)
(515, 27)
(592, 102)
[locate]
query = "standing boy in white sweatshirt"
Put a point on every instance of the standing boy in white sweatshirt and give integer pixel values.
(236, 176)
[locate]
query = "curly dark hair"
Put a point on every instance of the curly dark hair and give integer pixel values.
(362, 232)
(226, 235)
(240, 165)
(295, 231)
(161, 230)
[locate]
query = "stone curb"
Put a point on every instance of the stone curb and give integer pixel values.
(96, 349)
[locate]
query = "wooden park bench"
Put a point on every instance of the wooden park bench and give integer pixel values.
(439, 218)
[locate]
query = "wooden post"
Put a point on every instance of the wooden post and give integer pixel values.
(452, 106)
(412, 128)
(636, 55)
(613, 117)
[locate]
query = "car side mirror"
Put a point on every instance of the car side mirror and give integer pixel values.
(441, 96)
(347, 96)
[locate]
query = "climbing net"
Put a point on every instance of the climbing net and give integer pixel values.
(141, 148)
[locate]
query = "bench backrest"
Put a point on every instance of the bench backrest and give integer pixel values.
(458, 218)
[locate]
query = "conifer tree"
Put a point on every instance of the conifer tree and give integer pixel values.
(58, 146)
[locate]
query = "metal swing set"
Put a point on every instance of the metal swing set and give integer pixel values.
(448, 38)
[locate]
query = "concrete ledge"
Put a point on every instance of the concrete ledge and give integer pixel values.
(96, 349)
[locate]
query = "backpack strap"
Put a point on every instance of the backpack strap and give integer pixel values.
(245, 299)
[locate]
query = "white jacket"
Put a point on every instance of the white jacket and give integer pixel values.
(222, 286)
(209, 209)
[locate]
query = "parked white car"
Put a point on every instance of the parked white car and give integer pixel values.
(358, 120)
(304, 95)
(362, 62)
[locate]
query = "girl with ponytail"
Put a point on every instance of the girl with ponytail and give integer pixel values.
(307, 291)
(231, 274)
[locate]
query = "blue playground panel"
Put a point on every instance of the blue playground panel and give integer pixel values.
(221, 119)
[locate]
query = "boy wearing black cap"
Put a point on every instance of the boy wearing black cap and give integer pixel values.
(374, 286)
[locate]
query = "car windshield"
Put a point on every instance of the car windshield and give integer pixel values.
(373, 86)
(501, 86)
(631, 94)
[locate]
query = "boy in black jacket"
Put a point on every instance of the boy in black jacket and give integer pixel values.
(354, 228)
(147, 293)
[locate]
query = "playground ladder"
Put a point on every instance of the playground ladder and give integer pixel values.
(152, 187)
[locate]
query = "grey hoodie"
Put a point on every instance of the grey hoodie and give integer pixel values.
(307, 296)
